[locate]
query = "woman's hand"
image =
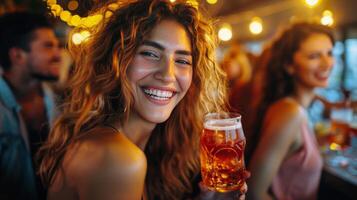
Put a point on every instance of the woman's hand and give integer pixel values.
(206, 194)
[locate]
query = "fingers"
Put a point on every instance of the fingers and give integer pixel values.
(246, 174)
(242, 197)
(244, 189)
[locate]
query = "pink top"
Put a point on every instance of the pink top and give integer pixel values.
(299, 175)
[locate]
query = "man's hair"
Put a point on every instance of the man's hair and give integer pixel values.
(17, 31)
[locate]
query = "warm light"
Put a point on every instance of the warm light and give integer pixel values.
(113, 6)
(75, 20)
(85, 35)
(108, 14)
(56, 9)
(212, 1)
(225, 32)
(65, 16)
(193, 3)
(256, 26)
(72, 5)
(92, 20)
(172, 1)
(52, 2)
(327, 18)
(335, 146)
(78, 38)
(311, 3)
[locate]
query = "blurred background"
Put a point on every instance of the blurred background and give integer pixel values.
(251, 23)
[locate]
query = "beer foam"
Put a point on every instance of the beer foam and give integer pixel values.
(222, 125)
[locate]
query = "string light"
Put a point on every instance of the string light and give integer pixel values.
(72, 5)
(76, 20)
(225, 32)
(335, 146)
(212, 1)
(78, 38)
(256, 26)
(327, 18)
(311, 3)
(193, 3)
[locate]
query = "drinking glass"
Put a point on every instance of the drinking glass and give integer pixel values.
(222, 146)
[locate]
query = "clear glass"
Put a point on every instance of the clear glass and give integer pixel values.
(222, 146)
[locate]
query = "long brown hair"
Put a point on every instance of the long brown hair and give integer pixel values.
(99, 92)
(272, 79)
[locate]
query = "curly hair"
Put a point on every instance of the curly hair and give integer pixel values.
(274, 81)
(99, 92)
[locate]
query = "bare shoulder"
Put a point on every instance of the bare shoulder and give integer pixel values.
(283, 120)
(285, 111)
(106, 165)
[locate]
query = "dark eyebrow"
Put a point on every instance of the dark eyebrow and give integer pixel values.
(159, 46)
(153, 44)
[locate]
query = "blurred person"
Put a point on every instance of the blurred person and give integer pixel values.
(238, 68)
(286, 163)
(29, 55)
(255, 88)
(130, 127)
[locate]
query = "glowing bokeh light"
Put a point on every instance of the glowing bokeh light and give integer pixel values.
(311, 3)
(72, 5)
(212, 1)
(225, 32)
(327, 18)
(256, 26)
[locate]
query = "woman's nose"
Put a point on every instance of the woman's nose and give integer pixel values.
(328, 61)
(166, 71)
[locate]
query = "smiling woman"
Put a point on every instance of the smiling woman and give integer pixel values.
(131, 124)
(299, 61)
(161, 71)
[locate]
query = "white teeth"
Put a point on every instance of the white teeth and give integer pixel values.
(158, 94)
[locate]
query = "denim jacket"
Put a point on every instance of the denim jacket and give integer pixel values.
(11, 121)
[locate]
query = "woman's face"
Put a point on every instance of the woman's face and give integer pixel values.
(161, 71)
(313, 62)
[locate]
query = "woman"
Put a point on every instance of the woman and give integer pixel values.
(286, 163)
(131, 124)
(239, 72)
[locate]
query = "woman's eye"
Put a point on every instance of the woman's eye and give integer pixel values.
(183, 62)
(330, 53)
(313, 56)
(150, 54)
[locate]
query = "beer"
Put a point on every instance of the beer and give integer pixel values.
(222, 153)
(339, 134)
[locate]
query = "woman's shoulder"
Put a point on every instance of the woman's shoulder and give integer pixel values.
(102, 164)
(287, 108)
(284, 116)
(104, 152)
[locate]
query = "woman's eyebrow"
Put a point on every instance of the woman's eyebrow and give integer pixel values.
(153, 44)
(160, 47)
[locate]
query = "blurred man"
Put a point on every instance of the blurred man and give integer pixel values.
(29, 55)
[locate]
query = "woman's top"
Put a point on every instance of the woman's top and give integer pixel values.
(299, 174)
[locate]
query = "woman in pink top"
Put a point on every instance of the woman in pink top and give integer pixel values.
(286, 163)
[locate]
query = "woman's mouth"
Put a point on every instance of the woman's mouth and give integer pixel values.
(158, 94)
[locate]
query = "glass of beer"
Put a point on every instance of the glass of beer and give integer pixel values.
(222, 146)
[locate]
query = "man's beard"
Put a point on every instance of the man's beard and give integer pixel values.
(42, 77)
